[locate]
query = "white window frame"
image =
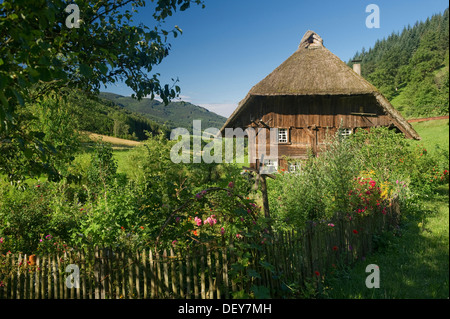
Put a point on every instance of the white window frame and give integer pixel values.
(345, 132)
(283, 135)
(294, 167)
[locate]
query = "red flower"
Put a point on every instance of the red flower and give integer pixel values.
(355, 231)
(335, 248)
(317, 273)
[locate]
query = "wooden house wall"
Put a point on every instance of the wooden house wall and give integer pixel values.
(310, 118)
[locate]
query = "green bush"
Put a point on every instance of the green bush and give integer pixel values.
(28, 215)
(358, 174)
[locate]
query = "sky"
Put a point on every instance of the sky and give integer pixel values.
(230, 45)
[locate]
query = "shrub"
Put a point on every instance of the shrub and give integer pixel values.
(358, 174)
(30, 214)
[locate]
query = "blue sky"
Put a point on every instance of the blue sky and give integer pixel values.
(230, 45)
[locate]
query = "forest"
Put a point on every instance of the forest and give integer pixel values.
(411, 67)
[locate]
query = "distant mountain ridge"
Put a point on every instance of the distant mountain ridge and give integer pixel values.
(175, 114)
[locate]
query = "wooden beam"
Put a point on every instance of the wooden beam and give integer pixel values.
(364, 114)
(264, 124)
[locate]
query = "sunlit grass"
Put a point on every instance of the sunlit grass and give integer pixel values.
(413, 264)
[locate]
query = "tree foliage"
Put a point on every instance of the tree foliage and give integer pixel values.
(41, 55)
(411, 68)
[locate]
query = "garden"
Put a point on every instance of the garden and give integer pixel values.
(144, 201)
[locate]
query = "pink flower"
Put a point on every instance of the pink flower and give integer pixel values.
(222, 231)
(1, 240)
(198, 221)
(210, 220)
(174, 242)
(331, 225)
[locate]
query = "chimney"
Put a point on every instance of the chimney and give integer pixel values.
(357, 66)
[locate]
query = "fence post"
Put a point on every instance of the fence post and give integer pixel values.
(181, 273)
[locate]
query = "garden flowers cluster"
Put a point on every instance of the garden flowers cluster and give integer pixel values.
(370, 196)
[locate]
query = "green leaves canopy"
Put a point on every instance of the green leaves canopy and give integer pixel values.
(39, 53)
(41, 56)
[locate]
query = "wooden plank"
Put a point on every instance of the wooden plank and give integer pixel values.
(44, 268)
(123, 273)
(217, 281)
(103, 275)
(144, 273)
(25, 277)
(137, 274)
(152, 274)
(202, 272)
(166, 274)
(159, 281)
(37, 276)
(19, 276)
(181, 274)
(173, 278)
(188, 274)
(84, 279)
(55, 272)
(115, 267)
(130, 269)
(225, 271)
(195, 274)
(210, 291)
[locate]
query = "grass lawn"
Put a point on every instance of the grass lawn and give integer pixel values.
(413, 265)
(433, 133)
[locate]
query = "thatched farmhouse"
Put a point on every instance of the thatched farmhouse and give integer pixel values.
(312, 94)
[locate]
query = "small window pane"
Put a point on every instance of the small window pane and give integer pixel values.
(345, 132)
(282, 135)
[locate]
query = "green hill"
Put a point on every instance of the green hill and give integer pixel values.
(101, 116)
(411, 68)
(175, 114)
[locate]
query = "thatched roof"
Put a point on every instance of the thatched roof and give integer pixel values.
(314, 70)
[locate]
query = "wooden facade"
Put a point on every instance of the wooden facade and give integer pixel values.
(310, 119)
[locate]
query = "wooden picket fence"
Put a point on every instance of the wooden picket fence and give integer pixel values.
(203, 272)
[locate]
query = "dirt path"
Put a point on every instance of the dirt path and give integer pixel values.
(113, 140)
(429, 119)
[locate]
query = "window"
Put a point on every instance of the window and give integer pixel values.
(295, 167)
(270, 166)
(283, 135)
(344, 132)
